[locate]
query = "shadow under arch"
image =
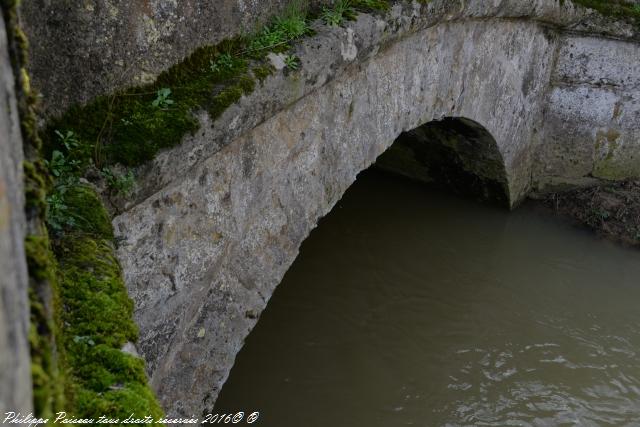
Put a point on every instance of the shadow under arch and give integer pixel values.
(456, 153)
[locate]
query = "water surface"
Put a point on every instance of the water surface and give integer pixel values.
(408, 306)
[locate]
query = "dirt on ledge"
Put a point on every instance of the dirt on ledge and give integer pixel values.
(611, 210)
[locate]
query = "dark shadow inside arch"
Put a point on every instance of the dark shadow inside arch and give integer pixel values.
(454, 153)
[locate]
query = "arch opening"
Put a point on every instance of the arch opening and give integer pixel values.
(455, 153)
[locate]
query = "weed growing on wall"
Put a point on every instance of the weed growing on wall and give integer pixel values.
(121, 183)
(342, 11)
(292, 62)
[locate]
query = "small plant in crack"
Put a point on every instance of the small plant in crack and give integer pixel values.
(224, 62)
(163, 99)
(60, 165)
(292, 62)
(121, 184)
(341, 12)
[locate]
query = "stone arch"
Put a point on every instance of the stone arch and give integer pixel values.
(454, 152)
(224, 214)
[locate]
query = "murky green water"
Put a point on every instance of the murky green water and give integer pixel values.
(410, 307)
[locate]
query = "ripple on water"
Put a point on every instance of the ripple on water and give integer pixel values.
(409, 307)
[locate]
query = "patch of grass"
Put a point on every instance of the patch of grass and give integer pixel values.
(224, 61)
(341, 11)
(277, 36)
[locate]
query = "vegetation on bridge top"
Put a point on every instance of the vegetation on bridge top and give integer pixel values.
(620, 9)
(130, 126)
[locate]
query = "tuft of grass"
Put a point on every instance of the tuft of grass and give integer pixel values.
(163, 99)
(338, 14)
(278, 36)
(292, 62)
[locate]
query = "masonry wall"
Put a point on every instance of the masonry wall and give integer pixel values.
(591, 126)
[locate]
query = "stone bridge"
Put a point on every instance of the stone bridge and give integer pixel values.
(519, 95)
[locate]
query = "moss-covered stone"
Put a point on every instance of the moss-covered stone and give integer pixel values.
(128, 128)
(80, 312)
(36, 182)
(90, 216)
(98, 322)
(620, 9)
(48, 395)
(371, 5)
(262, 72)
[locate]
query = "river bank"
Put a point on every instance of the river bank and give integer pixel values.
(611, 210)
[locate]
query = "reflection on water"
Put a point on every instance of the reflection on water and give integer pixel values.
(410, 307)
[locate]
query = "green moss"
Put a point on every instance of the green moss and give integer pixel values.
(36, 182)
(88, 212)
(40, 258)
(224, 99)
(47, 381)
(371, 5)
(97, 319)
(98, 322)
(130, 398)
(128, 128)
(619, 9)
(262, 72)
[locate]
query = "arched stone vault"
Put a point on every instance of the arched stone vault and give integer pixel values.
(218, 220)
(456, 153)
